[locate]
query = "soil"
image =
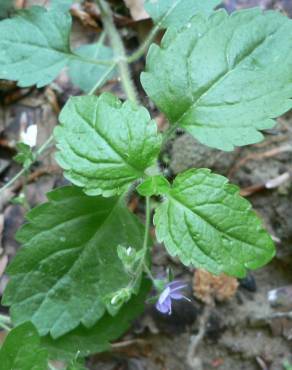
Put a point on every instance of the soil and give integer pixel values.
(246, 332)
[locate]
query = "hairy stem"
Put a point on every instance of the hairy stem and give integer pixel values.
(147, 223)
(119, 50)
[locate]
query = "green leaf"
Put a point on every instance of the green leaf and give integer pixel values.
(224, 78)
(34, 46)
(86, 75)
(61, 5)
(153, 185)
(24, 156)
(6, 7)
(176, 13)
(22, 350)
(205, 222)
(68, 270)
(105, 145)
(84, 341)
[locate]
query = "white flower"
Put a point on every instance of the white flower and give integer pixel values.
(29, 136)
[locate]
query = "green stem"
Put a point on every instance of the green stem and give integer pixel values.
(148, 272)
(142, 263)
(147, 223)
(22, 172)
(150, 38)
(99, 62)
(168, 133)
(145, 45)
(119, 50)
(101, 80)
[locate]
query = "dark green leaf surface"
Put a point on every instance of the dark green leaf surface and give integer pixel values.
(34, 46)
(176, 13)
(105, 145)
(205, 222)
(85, 75)
(68, 270)
(97, 339)
(224, 78)
(22, 350)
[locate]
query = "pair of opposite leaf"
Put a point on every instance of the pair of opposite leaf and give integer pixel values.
(221, 78)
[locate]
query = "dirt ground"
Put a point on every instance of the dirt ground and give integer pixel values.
(253, 328)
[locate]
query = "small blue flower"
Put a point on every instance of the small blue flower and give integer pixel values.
(171, 291)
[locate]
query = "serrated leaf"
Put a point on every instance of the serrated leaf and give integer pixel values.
(34, 46)
(97, 339)
(153, 185)
(224, 78)
(22, 350)
(176, 13)
(86, 75)
(68, 270)
(105, 145)
(205, 222)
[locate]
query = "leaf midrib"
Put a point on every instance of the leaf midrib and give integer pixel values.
(54, 287)
(171, 197)
(221, 77)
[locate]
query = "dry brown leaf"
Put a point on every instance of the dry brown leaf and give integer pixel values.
(208, 287)
(137, 10)
(84, 17)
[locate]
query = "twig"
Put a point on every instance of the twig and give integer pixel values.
(257, 156)
(196, 339)
(117, 45)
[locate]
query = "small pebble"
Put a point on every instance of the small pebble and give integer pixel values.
(248, 283)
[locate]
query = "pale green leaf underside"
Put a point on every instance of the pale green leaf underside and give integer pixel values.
(22, 350)
(85, 75)
(224, 78)
(205, 222)
(176, 13)
(61, 5)
(68, 270)
(97, 339)
(105, 145)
